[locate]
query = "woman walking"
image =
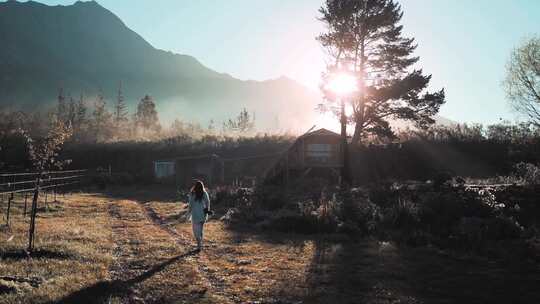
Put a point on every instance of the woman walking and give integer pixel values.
(199, 208)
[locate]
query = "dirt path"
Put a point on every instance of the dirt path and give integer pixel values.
(215, 283)
(141, 238)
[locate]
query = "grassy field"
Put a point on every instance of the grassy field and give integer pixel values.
(135, 246)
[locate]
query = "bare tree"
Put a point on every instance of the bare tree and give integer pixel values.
(522, 83)
(244, 123)
(43, 152)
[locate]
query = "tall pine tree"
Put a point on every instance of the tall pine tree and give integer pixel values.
(61, 107)
(71, 111)
(102, 122)
(120, 111)
(364, 38)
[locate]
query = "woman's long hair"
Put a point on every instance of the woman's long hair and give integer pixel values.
(198, 190)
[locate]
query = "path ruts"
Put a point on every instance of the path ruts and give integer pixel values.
(216, 284)
(135, 228)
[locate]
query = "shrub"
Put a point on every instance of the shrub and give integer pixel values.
(103, 179)
(270, 197)
(441, 211)
(404, 215)
(503, 228)
(293, 222)
(471, 229)
(442, 179)
(383, 195)
(349, 227)
(528, 173)
(241, 197)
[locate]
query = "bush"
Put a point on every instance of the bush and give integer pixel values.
(349, 227)
(404, 215)
(441, 211)
(102, 179)
(442, 179)
(528, 173)
(270, 197)
(293, 222)
(241, 197)
(503, 228)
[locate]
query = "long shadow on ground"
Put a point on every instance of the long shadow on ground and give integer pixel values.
(368, 271)
(101, 291)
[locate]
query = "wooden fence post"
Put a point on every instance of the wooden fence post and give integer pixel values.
(8, 208)
(25, 201)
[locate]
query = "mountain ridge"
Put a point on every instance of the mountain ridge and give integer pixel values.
(86, 49)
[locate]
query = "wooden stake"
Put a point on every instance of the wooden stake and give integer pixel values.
(9, 207)
(25, 201)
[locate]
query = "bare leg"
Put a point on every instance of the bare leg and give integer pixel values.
(197, 233)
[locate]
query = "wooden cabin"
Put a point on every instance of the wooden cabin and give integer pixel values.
(183, 170)
(208, 168)
(314, 153)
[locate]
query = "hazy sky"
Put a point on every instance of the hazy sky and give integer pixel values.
(464, 44)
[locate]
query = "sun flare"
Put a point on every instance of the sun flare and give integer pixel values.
(342, 84)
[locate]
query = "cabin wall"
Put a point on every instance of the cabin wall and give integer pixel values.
(210, 171)
(319, 151)
(164, 171)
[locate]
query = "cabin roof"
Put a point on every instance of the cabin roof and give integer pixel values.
(320, 132)
(189, 158)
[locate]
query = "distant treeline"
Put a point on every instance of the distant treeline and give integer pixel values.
(93, 120)
(463, 150)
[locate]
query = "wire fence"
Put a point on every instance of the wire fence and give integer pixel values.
(32, 187)
(11, 183)
(25, 185)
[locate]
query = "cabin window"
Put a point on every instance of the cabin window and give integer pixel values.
(320, 153)
(164, 169)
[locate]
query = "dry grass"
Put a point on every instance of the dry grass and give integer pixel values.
(106, 249)
(73, 249)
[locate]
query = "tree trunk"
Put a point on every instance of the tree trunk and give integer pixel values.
(360, 113)
(33, 212)
(345, 171)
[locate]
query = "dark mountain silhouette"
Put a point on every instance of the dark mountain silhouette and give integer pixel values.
(85, 48)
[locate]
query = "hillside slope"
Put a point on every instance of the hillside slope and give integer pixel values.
(85, 48)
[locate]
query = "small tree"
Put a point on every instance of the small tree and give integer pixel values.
(522, 83)
(244, 123)
(71, 111)
(44, 155)
(147, 117)
(80, 120)
(102, 120)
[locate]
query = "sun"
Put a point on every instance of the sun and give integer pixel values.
(342, 84)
